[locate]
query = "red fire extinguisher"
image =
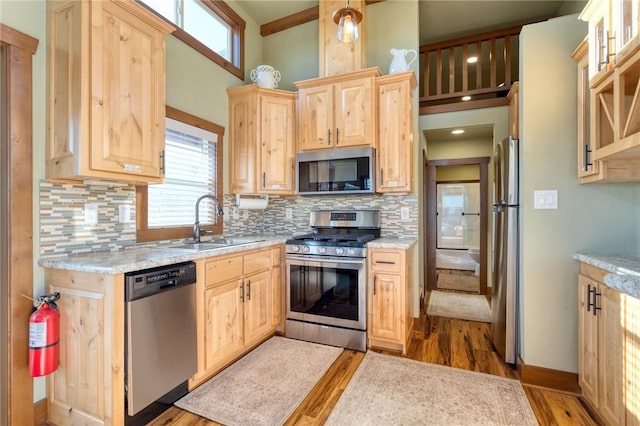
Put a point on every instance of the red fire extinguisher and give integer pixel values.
(43, 336)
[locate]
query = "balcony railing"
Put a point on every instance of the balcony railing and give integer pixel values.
(448, 73)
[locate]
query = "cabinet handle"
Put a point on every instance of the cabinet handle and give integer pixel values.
(249, 290)
(328, 136)
(242, 292)
(595, 301)
(264, 179)
(385, 262)
(162, 162)
(337, 136)
(585, 158)
(375, 278)
(588, 297)
(381, 176)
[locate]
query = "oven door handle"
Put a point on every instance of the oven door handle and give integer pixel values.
(311, 260)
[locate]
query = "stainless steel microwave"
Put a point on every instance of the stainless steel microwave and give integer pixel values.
(336, 171)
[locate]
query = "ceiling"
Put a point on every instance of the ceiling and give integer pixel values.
(482, 132)
(440, 19)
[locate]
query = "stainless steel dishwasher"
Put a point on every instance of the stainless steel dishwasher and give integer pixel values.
(160, 345)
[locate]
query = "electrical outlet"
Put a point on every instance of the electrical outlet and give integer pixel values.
(245, 214)
(124, 213)
(288, 213)
(225, 214)
(90, 214)
(404, 213)
(235, 213)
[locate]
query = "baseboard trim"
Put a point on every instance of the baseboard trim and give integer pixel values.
(40, 412)
(557, 380)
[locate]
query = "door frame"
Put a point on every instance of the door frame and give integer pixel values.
(16, 225)
(431, 237)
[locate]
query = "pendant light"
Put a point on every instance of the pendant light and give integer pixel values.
(347, 20)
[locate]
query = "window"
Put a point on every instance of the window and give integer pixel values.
(209, 26)
(193, 163)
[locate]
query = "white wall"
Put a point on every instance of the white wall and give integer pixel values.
(597, 217)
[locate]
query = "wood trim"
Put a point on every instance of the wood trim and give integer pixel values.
(557, 380)
(482, 91)
(16, 145)
(143, 233)
(40, 412)
(431, 237)
(463, 106)
(471, 39)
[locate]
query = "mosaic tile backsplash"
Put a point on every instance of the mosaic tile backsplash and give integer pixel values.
(63, 232)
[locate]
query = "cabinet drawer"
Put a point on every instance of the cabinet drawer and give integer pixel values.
(222, 270)
(386, 261)
(255, 262)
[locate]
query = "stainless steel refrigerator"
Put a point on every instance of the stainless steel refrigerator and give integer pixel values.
(505, 249)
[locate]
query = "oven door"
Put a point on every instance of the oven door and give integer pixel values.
(327, 290)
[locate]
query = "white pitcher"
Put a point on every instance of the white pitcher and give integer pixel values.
(265, 76)
(399, 61)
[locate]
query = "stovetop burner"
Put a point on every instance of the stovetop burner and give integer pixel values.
(333, 238)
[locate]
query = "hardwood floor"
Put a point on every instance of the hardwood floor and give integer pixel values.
(444, 341)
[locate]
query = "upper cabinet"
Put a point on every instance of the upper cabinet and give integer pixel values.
(337, 111)
(106, 91)
(613, 34)
(262, 140)
(609, 101)
(394, 157)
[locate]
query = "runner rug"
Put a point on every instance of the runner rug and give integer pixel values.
(390, 390)
(472, 307)
(265, 386)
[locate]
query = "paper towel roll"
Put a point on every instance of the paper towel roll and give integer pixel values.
(259, 202)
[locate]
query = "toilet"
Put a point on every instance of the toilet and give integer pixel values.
(474, 253)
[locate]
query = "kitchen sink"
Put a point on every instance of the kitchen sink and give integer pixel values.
(214, 244)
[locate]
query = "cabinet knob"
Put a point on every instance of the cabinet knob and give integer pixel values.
(100, 102)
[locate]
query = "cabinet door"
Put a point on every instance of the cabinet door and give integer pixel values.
(242, 142)
(587, 342)
(600, 48)
(258, 312)
(127, 93)
(277, 145)
(610, 335)
(586, 149)
(395, 138)
(632, 360)
(315, 118)
(223, 334)
(387, 321)
(354, 122)
(624, 21)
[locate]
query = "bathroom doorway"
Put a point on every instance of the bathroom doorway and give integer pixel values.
(458, 233)
(457, 220)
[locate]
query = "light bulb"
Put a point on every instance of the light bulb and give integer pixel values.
(347, 28)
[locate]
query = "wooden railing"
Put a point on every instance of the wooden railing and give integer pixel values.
(447, 76)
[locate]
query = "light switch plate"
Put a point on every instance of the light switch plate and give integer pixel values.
(235, 213)
(547, 199)
(124, 213)
(288, 213)
(404, 213)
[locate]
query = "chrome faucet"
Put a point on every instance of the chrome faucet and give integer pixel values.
(196, 225)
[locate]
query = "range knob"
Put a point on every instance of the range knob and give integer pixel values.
(351, 251)
(305, 249)
(322, 250)
(339, 250)
(295, 248)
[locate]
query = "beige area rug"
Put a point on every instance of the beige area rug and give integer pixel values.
(458, 282)
(265, 386)
(472, 307)
(389, 390)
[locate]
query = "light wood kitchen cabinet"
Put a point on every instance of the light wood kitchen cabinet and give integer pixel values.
(278, 288)
(88, 386)
(389, 319)
(262, 140)
(600, 345)
(106, 91)
(337, 111)
(235, 308)
(632, 359)
(394, 157)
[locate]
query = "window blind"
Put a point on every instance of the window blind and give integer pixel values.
(190, 171)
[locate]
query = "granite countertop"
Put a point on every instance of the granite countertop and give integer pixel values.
(393, 243)
(624, 271)
(139, 258)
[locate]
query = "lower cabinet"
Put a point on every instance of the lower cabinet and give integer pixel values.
(601, 342)
(237, 301)
(389, 299)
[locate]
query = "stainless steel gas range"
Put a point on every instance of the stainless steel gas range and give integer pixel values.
(327, 277)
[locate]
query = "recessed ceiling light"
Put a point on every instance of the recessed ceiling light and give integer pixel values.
(472, 59)
(466, 98)
(457, 131)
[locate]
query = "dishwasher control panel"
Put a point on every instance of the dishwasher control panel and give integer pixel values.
(147, 282)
